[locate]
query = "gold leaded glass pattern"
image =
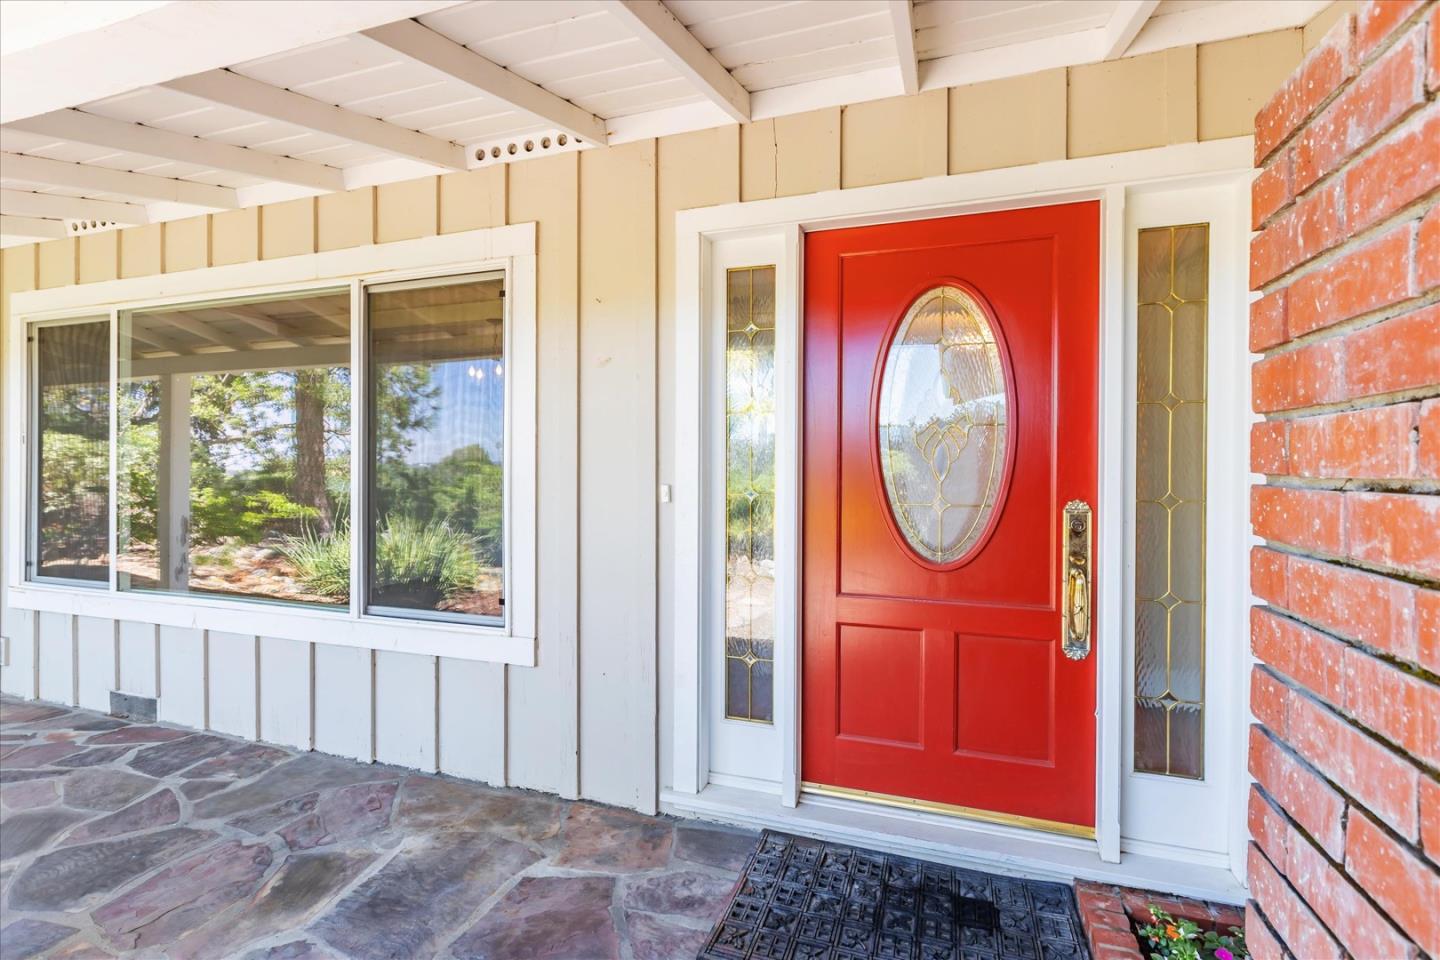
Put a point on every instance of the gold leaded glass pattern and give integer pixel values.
(750, 494)
(1170, 501)
(943, 409)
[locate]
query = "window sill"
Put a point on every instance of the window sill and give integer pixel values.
(338, 627)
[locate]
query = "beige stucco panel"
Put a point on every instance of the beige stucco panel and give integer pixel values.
(903, 138)
(57, 263)
(1009, 122)
(235, 236)
(406, 210)
(1133, 104)
(142, 250)
(99, 256)
(187, 244)
(473, 199)
(287, 229)
(1238, 77)
(346, 219)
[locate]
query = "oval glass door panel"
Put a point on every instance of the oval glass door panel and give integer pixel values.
(943, 414)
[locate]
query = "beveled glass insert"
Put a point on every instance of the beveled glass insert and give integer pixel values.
(750, 494)
(943, 411)
(1170, 501)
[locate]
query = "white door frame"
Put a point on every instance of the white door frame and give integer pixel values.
(1106, 179)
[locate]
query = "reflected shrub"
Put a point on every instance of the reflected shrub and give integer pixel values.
(417, 563)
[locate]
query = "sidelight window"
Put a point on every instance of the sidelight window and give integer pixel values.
(1170, 494)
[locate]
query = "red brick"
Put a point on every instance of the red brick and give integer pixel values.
(1267, 447)
(1362, 280)
(1106, 936)
(1427, 629)
(1401, 171)
(1291, 918)
(1376, 443)
(1377, 98)
(1308, 799)
(1302, 377)
(1269, 829)
(1356, 924)
(1428, 455)
(1376, 20)
(1267, 321)
(1308, 657)
(1379, 778)
(1270, 190)
(1269, 700)
(1430, 819)
(1227, 916)
(1312, 519)
(1396, 530)
(1259, 938)
(1314, 224)
(1397, 705)
(1321, 73)
(1404, 885)
(1267, 575)
(1375, 610)
(1427, 245)
(1399, 354)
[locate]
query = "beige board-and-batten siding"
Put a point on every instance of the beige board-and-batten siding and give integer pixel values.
(584, 721)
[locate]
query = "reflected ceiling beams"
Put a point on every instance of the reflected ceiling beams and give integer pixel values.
(98, 131)
(423, 45)
(655, 26)
(243, 93)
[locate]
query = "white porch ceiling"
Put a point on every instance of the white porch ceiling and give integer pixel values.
(177, 108)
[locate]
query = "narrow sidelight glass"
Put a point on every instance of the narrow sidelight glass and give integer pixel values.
(750, 494)
(436, 449)
(234, 449)
(71, 411)
(1173, 307)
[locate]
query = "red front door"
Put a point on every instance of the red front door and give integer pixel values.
(950, 415)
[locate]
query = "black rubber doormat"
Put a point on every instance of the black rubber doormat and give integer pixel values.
(802, 899)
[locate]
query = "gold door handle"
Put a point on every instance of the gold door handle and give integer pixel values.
(1075, 619)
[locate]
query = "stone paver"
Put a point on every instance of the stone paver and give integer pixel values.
(122, 839)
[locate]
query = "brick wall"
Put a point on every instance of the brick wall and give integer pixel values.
(1345, 813)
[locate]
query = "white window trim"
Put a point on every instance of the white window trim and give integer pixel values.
(1107, 179)
(509, 248)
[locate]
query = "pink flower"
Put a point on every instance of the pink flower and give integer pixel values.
(1222, 954)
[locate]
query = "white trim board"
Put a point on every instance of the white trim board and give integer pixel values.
(699, 232)
(509, 248)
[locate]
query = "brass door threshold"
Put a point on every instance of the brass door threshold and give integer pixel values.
(951, 810)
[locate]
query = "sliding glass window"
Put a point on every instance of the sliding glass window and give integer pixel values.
(234, 449)
(436, 456)
(70, 508)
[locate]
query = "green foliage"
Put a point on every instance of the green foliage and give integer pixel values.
(1172, 939)
(322, 561)
(464, 489)
(419, 562)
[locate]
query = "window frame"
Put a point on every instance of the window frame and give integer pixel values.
(511, 249)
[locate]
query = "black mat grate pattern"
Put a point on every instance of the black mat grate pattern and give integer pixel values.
(802, 899)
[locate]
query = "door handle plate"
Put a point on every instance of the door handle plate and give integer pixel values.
(1077, 588)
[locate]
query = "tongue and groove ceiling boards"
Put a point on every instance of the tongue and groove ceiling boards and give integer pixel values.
(138, 111)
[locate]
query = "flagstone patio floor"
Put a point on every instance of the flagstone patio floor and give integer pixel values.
(145, 840)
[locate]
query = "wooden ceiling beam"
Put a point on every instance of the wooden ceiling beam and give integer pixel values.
(22, 203)
(93, 179)
(655, 26)
(1124, 25)
(902, 20)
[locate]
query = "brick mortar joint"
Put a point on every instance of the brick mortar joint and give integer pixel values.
(1417, 487)
(1337, 865)
(1415, 210)
(1348, 563)
(1397, 35)
(1422, 765)
(1375, 401)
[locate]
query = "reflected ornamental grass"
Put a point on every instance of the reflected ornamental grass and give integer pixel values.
(415, 561)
